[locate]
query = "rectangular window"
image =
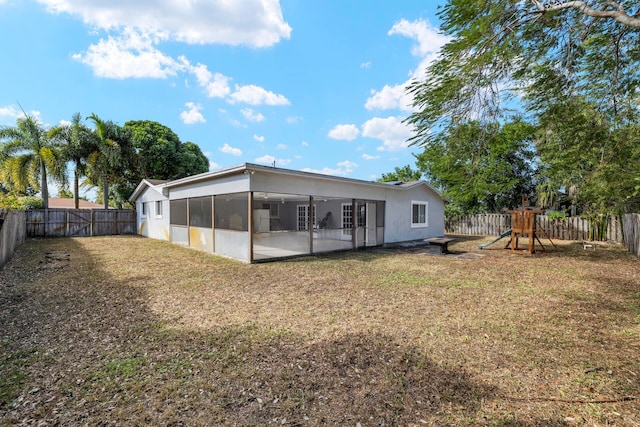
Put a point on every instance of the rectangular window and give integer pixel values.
(159, 209)
(143, 209)
(303, 217)
(419, 214)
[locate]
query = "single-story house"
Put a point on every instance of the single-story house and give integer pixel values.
(253, 213)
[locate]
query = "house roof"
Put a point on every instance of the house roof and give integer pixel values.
(66, 203)
(250, 167)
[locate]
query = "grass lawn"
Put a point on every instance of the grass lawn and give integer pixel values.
(131, 331)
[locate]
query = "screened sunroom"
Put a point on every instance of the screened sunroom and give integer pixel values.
(256, 213)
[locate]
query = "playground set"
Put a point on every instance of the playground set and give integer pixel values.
(523, 224)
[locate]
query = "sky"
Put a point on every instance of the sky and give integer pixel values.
(312, 85)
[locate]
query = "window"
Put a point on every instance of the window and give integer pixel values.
(303, 217)
(159, 209)
(143, 209)
(419, 214)
(347, 219)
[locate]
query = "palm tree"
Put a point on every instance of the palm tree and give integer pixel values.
(105, 156)
(76, 140)
(28, 155)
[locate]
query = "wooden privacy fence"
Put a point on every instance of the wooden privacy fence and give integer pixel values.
(631, 224)
(12, 233)
(80, 222)
(573, 228)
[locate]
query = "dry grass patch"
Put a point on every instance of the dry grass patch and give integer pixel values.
(132, 331)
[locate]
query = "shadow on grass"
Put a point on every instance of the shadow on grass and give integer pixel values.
(100, 356)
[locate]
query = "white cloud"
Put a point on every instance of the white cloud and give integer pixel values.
(131, 54)
(255, 95)
(10, 113)
(365, 65)
(428, 43)
(344, 132)
(213, 165)
(192, 114)
(251, 115)
(267, 159)
(258, 138)
(215, 85)
(390, 97)
(292, 120)
(256, 23)
(304, 143)
(136, 30)
(390, 130)
(281, 147)
(370, 157)
(344, 168)
(428, 39)
(231, 150)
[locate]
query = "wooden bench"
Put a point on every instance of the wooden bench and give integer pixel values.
(443, 242)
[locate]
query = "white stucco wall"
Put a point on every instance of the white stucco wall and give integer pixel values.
(397, 227)
(153, 225)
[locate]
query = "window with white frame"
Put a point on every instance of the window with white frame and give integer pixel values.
(303, 217)
(419, 211)
(143, 209)
(159, 209)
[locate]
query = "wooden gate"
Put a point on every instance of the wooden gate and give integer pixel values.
(80, 222)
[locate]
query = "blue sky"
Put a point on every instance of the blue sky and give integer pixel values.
(314, 85)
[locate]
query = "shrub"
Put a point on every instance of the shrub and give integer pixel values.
(9, 201)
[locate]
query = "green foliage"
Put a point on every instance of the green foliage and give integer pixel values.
(65, 194)
(10, 201)
(575, 76)
(161, 154)
(453, 212)
(157, 146)
(481, 168)
(77, 143)
(556, 215)
(191, 160)
(404, 174)
(588, 154)
(28, 155)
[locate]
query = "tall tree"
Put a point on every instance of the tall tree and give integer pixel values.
(77, 144)
(191, 160)
(404, 173)
(157, 146)
(161, 153)
(501, 49)
(106, 156)
(30, 155)
(479, 172)
(543, 59)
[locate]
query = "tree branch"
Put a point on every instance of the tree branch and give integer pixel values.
(619, 14)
